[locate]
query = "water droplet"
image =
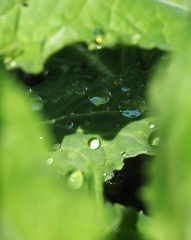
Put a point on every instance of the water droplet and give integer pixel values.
(117, 177)
(86, 122)
(98, 31)
(50, 161)
(99, 46)
(117, 125)
(89, 111)
(81, 88)
(69, 124)
(132, 107)
(139, 84)
(37, 103)
(135, 38)
(116, 229)
(124, 154)
(70, 113)
(104, 79)
(93, 143)
(12, 64)
(41, 138)
(126, 89)
(151, 125)
(46, 92)
(154, 138)
(104, 174)
(64, 68)
(99, 95)
(56, 145)
(69, 90)
(76, 179)
(51, 120)
(118, 80)
(74, 82)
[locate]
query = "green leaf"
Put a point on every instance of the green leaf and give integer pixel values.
(32, 33)
(168, 194)
(91, 129)
(35, 203)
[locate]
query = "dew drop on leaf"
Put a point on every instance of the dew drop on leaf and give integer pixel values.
(55, 100)
(49, 161)
(94, 143)
(151, 125)
(74, 82)
(69, 124)
(37, 104)
(99, 95)
(56, 145)
(126, 89)
(76, 179)
(89, 111)
(124, 154)
(81, 88)
(132, 107)
(154, 138)
(86, 122)
(118, 80)
(69, 90)
(51, 120)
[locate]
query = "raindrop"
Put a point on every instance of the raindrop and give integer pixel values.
(98, 31)
(37, 103)
(126, 89)
(56, 145)
(104, 79)
(76, 179)
(93, 143)
(117, 125)
(132, 107)
(81, 88)
(69, 90)
(116, 229)
(99, 95)
(50, 161)
(69, 124)
(104, 174)
(117, 177)
(135, 38)
(154, 138)
(50, 120)
(41, 138)
(124, 154)
(46, 92)
(139, 84)
(118, 80)
(86, 122)
(12, 64)
(70, 114)
(89, 111)
(74, 82)
(64, 68)
(55, 100)
(99, 46)
(151, 125)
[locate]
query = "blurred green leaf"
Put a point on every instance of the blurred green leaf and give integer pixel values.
(34, 30)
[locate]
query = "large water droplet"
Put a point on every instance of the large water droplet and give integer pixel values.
(99, 95)
(81, 88)
(50, 161)
(56, 145)
(132, 107)
(50, 120)
(69, 125)
(93, 143)
(154, 138)
(37, 103)
(76, 179)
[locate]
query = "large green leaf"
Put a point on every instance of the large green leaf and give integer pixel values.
(35, 203)
(76, 121)
(169, 193)
(31, 31)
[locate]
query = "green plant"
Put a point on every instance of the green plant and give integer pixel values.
(112, 54)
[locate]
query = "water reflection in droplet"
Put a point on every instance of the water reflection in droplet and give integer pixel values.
(69, 124)
(81, 88)
(154, 138)
(76, 179)
(56, 145)
(51, 120)
(132, 107)
(37, 104)
(124, 154)
(49, 161)
(94, 143)
(99, 95)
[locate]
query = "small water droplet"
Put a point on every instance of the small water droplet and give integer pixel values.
(69, 124)
(124, 154)
(25, 3)
(126, 89)
(104, 79)
(37, 103)
(93, 143)
(12, 64)
(98, 31)
(81, 88)
(70, 113)
(74, 82)
(86, 122)
(41, 138)
(99, 46)
(76, 179)
(139, 84)
(118, 80)
(151, 125)
(69, 90)
(117, 125)
(55, 100)
(89, 111)
(46, 92)
(99, 95)
(51, 120)
(116, 229)
(154, 138)
(64, 68)
(50, 161)
(132, 107)
(56, 145)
